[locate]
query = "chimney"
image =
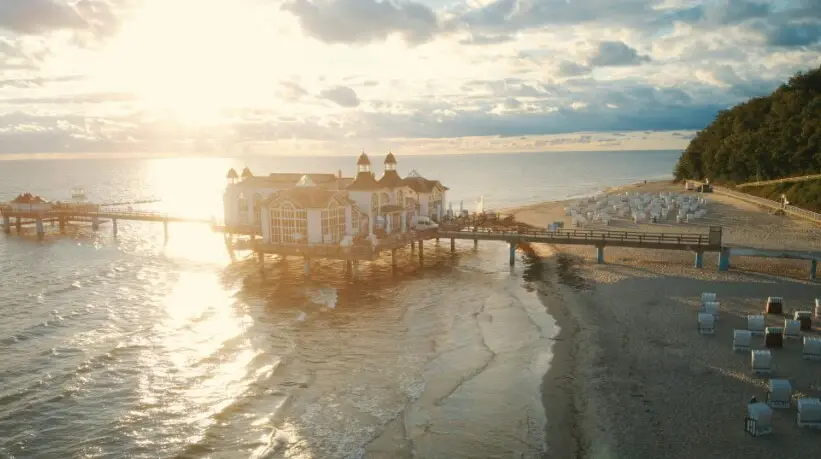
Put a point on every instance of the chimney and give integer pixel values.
(339, 173)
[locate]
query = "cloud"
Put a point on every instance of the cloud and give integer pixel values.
(363, 21)
(40, 16)
(35, 16)
(37, 82)
(793, 35)
(341, 95)
(341, 72)
(616, 53)
(570, 69)
(479, 39)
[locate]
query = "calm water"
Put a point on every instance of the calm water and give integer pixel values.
(129, 348)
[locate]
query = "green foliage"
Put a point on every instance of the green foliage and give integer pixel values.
(764, 138)
(806, 195)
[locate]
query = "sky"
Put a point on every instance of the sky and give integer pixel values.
(130, 77)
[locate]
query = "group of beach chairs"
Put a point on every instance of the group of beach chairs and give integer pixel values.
(779, 394)
(638, 207)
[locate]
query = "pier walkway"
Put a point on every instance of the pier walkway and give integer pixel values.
(709, 241)
(64, 215)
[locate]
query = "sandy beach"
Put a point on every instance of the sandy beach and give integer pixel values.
(631, 376)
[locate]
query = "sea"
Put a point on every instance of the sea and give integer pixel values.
(132, 347)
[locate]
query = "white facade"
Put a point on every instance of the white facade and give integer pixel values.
(239, 203)
(324, 208)
(287, 221)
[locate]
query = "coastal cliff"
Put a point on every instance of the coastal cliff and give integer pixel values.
(765, 138)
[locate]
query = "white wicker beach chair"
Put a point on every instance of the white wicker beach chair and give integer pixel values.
(756, 324)
(759, 420)
(808, 412)
(812, 348)
(710, 307)
(761, 361)
(779, 394)
(707, 297)
(742, 340)
(792, 329)
(706, 323)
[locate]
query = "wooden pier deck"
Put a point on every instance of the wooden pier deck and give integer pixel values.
(96, 217)
(709, 241)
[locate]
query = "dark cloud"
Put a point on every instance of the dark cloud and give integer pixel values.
(36, 16)
(570, 69)
(341, 95)
(363, 21)
(40, 16)
(616, 53)
(795, 34)
(525, 14)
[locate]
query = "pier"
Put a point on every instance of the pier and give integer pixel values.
(709, 241)
(81, 214)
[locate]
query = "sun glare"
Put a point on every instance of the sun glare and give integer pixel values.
(194, 59)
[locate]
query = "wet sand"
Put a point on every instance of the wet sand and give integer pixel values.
(632, 378)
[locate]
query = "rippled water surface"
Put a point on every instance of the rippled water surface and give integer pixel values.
(128, 347)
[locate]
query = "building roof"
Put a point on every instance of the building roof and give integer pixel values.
(309, 197)
(420, 184)
(28, 198)
(246, 173)
(390, 159)
(363, 160)
(364, 181)
(288, 179)
(390, 179)
(232, 174)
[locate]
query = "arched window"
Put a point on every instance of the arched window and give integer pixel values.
(400, 198)
(333, 223)
(288, 221)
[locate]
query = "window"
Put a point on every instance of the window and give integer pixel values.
(257, 207)
(400, 198)
(333, 223)
(286, 221)
(374, 205)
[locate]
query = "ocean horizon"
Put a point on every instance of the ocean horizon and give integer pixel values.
(126, 347)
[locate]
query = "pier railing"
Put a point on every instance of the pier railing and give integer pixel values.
(769, 203)
(576, 235)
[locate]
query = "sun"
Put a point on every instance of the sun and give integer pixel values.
(194, 59)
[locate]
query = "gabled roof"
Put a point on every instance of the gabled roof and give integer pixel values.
(309, 197)
(363, 160)
(390, 159)
(246, 173)
(232, 174)
(422, 185)
(390, 179)
(28, 198)
(288, 179)
(364, 181)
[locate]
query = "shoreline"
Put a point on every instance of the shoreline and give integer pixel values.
(613, 389)
(603, 191)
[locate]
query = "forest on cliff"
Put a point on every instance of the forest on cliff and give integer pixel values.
(764, 138)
